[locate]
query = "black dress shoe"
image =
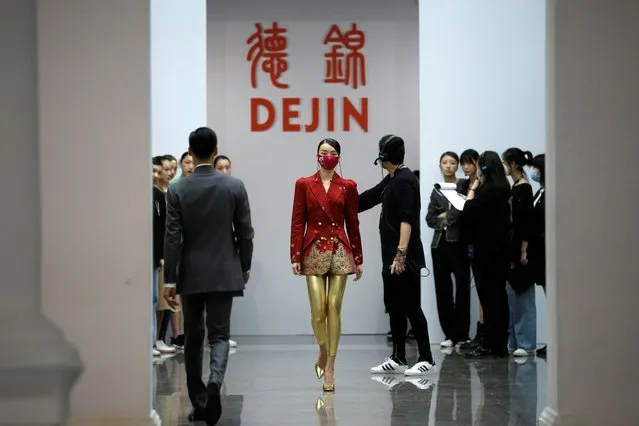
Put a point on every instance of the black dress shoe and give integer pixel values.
(213, 404)
(196, 416)
(541, 352)
(487, 353)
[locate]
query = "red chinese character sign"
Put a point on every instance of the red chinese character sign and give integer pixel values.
(345, 65)
(268, 47)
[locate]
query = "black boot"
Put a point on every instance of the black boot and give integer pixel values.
(476, 342)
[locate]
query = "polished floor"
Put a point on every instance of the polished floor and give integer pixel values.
(271, 381)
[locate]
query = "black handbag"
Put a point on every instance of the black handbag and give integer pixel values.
(520, 277)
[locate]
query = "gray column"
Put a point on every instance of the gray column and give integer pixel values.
(592, 229)
(38, 367)
(95, 122)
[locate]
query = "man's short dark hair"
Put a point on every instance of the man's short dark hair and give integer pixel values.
(203, 143)
(157, 160)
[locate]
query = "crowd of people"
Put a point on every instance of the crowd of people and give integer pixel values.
(203, 245)
(499, 236)
(165, 168)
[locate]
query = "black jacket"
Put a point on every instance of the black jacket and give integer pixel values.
(159, 223)
(400, 200)
(438, 205)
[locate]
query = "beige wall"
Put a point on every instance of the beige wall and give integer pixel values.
(95, 175)
(592, 215)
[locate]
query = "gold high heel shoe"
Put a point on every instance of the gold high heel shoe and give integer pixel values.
(328, 388)
(319, 371)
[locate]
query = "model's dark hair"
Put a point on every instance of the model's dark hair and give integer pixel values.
(157, 160)
(203, 143)
(519, 157)
(539, 162)
(393, 148)
(492, 168)
(469, 156)
(220, 158)
(170, 157)
(450, 154)
(333, 144)
(184, 155)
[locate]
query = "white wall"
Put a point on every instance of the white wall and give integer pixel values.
(269, 163)
(482, 86)
(178, 73)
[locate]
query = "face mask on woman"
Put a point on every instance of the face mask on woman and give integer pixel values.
(329, 162)
(534, 175)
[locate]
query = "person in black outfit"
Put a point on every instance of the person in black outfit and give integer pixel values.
(486, 221)
(521, 287)
(159, 223)
(468, 161)
(402, 256)
(537, 242)
(450, 257)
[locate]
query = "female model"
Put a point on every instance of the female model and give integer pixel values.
(450, 257)
(522, 337)
(324, 210)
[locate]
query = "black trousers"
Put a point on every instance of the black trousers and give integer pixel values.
(449, 258)
(218, 326)
(401, 297)
(490, 267)
(454, 405)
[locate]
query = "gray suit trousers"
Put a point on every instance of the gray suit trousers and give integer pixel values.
(218, 327)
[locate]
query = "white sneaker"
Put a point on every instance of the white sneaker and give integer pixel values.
(389, 381)
(389, 366)
(164, 348)
(447, 344)
(520, 353)
(420, 382)
(420, 369)
(156, 352)
(233, 343)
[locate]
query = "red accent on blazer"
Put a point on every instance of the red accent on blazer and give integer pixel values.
(319, 215)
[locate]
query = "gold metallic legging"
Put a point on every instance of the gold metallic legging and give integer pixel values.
(326, 306)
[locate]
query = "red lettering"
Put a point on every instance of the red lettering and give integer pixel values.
(264, 114)
(330, 114)
(360, 116)
(256, 125)
(315, 118)
(288, 113)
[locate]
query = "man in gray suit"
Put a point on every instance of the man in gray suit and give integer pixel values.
(208, 252)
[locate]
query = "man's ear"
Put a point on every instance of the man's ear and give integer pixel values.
(190, 152)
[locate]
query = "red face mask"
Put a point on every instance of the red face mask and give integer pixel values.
(329, 162)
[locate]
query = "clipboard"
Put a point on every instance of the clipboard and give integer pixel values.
(449, 191)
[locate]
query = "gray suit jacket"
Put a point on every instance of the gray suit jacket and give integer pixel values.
(208, 242)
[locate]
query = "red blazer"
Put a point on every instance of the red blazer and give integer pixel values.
(320, 216)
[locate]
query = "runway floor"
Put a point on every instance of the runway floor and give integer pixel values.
(271, 381)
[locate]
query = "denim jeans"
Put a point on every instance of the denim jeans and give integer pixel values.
(154, 331)
(523, 319)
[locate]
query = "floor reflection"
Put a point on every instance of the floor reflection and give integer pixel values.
(271, 382)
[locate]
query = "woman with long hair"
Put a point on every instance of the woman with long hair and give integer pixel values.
(326, 247)
(486, 223)
(450, 257)
(522, 336)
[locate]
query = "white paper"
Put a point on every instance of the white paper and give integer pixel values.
(449, 190)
